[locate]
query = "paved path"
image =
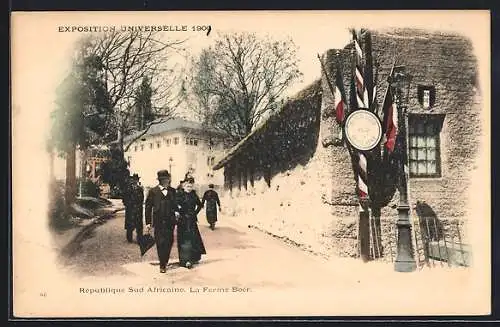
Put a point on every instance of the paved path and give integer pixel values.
(277, 277)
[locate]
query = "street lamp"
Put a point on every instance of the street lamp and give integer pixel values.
(400, 87)
(170, 165)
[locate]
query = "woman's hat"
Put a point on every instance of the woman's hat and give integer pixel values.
(162, 174)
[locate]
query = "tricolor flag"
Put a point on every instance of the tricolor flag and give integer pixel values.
(340, 100)
(390, 123)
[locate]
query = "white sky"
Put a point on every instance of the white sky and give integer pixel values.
(40, 55)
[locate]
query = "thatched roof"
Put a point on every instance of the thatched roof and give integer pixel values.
(310, 90)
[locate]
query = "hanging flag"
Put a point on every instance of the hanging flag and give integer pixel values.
(340, 99)
(390, 123)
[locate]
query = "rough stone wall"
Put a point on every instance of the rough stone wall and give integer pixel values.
(315, 204)
(446, 62)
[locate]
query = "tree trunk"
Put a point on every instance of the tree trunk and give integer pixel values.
(123, 174)
(70, 190)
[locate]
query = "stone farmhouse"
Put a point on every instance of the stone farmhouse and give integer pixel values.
(292, 178)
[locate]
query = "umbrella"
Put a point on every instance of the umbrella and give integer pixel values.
(146, 242)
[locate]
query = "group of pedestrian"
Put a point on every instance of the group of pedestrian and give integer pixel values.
(167, 208)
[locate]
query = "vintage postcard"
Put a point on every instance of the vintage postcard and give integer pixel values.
(260, 163)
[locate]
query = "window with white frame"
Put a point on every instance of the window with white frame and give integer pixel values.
(424, 146)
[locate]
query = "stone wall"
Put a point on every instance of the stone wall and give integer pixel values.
(314, 203)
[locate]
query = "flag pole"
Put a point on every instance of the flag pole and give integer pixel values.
(332, 90)
(330, 85)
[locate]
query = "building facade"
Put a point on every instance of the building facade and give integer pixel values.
(178, 145)
(294, 178)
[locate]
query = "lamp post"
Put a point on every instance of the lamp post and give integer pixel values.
(170, 165)
(400, 86)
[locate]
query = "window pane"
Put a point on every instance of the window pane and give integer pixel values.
(431, 154)
(431, 167)
(420, 128)
(413, 167)
(412, 129)
(413, 141)
(422, 167)
(421, 141)
(421, 154)
(430, 129)
(413, 154)
(431, 142)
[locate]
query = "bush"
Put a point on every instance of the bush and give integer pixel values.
(57, 216)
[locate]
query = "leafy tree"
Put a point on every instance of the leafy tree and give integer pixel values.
(143, 107)
(78, 119)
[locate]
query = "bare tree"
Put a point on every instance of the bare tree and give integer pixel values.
(239, 80)
(127, 58)
(97, 103)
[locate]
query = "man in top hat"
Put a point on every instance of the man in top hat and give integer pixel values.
(162, 213)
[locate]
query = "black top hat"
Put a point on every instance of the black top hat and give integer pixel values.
(163, 174)
(210, 185)
(135, 176)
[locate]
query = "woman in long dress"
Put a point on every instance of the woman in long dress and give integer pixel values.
(189, 241)
(211, 198)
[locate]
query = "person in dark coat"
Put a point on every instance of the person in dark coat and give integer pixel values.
(211, 198)
(162, 212)
(189, 241)
(137, 204)
(127, 202)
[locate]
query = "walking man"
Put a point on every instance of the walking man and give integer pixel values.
(127, 202)
(212, 199)
(137, 204)
(161, 213)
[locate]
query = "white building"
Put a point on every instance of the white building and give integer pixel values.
(179, 146)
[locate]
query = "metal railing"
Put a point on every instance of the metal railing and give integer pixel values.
(436, 242)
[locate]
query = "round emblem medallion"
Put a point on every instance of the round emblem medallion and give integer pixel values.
(363, 130)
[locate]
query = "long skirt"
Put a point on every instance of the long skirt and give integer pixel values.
(211, 215)
(189, 242)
